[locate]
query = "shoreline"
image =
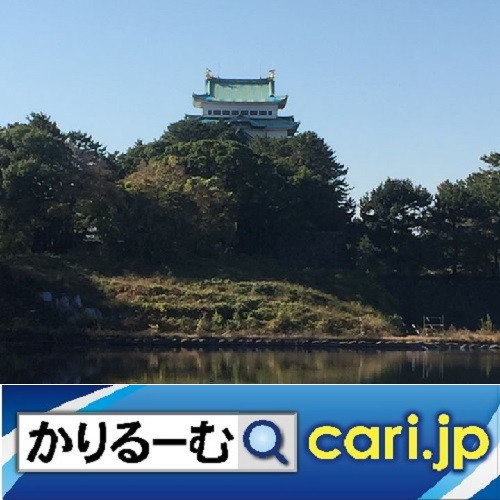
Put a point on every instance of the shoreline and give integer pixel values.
(148, 340)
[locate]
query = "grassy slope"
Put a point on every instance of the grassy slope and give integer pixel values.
(223, 305)
(204, 297)
(199, 299)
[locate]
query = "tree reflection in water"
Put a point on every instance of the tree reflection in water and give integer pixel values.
(260, 367)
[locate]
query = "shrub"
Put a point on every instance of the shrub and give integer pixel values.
(485, 324)
(204, 324)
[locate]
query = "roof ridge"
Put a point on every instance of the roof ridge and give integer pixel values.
(217, 79)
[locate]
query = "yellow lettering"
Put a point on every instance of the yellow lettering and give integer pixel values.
(373, 433)
(444, 443)
(389, 434)
(412, 437)
(460, 452)
(325, 430)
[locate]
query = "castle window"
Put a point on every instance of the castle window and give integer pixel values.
(225, 112)
(253, 113)
(262, 113)
(244, 112)
(235, 112)
(209, 111)
(217, 112)
(269, 113)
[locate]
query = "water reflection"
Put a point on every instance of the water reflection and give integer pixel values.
(261, 367)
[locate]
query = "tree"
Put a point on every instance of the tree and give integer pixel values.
(450, 226)
(466, 222)
(316, 208)
(187, 130)
(250, 183)
(53, 186)
(484, 188)
(197, 189)
(310, 152)
(171, 213)
(395, 215)
(98, 199)
(36, 186)
(493, 159)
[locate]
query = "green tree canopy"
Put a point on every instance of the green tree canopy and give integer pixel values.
(395, 215)
(465, 222)
(47, 177)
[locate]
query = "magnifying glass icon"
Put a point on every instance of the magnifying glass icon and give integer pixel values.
(262, 439)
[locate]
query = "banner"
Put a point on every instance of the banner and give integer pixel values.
(294, 442)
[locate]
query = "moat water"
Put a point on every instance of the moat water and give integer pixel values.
(21, 365)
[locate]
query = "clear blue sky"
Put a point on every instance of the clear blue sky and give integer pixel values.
(398, 88)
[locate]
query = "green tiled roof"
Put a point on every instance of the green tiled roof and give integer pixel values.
(278, 123)
(240, 90)
(282, 122)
